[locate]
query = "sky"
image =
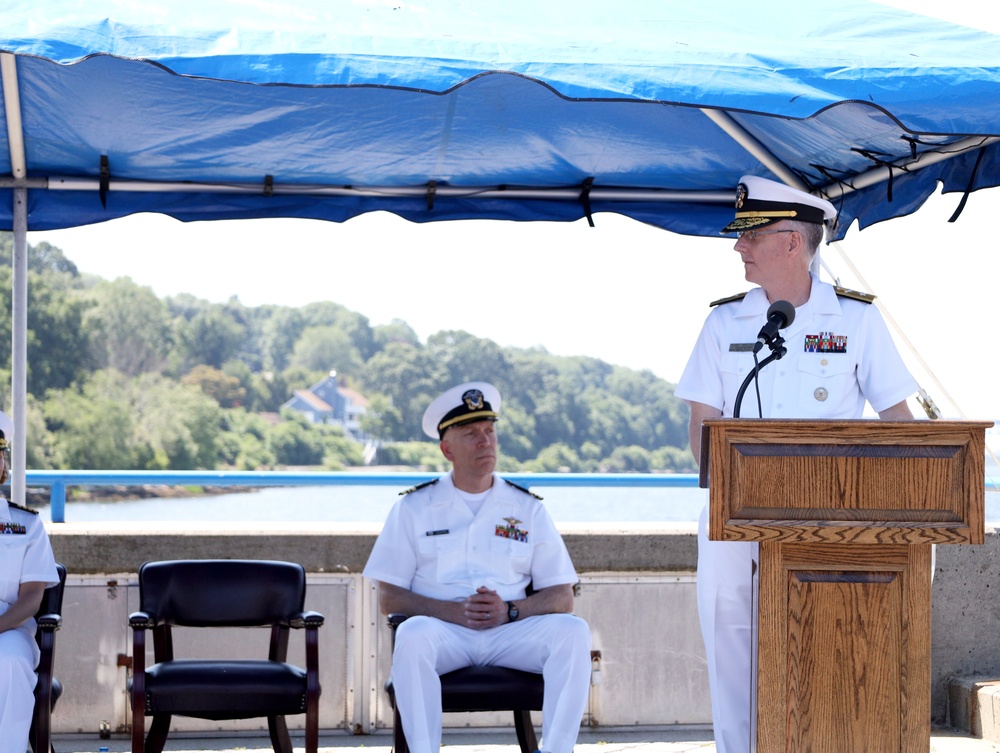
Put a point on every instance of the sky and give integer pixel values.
(625, 292)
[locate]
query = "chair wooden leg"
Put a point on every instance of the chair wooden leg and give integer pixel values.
(138, 726)
(158, 732)
(399, 744)
(278, 730)
(525, 731)
(39, 736)
(312, 730)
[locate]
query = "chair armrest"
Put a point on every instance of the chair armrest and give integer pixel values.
(306, 620)
(395, 619)
(49, 622)
(142, 621)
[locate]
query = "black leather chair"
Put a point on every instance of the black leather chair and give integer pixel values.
(223, 593)
(48, 688)
(480, 689)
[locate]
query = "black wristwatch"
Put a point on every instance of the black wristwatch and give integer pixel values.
(512, 611)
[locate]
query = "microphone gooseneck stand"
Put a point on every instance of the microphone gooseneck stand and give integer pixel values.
(778, 350)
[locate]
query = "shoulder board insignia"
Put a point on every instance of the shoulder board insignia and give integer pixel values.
(521, 488)
(22, 507)
(418, 486)
(855, 295)
(730, 299)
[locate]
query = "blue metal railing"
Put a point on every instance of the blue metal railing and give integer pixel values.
(59, 480)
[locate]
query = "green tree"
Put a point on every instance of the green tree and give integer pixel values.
(396, 331)
(322, 348)
(556, 458)
(280, 328)
(113, 421)
(55, 319)
(217, 384)
(381, 419)
(468, 358)
(92, 428)
(212, 336)
(295, 442)
(410, 377)
(628, 459)
(351, 323)
(243, 442)
(128, 327)
(43, 258)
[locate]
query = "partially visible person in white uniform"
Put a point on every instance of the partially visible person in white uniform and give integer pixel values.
(457, 554)
(27, 568)
(840, 355)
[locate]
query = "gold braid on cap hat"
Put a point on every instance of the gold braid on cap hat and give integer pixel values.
(467, 418)
(785, 213)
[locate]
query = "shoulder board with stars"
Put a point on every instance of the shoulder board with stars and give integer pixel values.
(23, 508)
(854, 295)
(521, 488)
(418, 486)
(730, 299)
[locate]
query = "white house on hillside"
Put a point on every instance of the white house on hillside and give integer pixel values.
(330, 402)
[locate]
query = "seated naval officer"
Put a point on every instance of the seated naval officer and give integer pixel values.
(840, 355)
(458, 554)
(27, 567)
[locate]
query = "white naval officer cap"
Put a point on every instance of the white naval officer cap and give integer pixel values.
(463, 404)
(761, 202)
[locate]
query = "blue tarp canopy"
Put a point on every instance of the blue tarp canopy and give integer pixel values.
(519, 110)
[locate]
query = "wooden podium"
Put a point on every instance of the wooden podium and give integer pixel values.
(845, 513)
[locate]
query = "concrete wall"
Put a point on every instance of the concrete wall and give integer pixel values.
(637, 592)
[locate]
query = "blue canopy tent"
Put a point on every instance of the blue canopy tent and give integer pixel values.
(456, 110)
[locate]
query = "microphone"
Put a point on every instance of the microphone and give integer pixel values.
(779, 316)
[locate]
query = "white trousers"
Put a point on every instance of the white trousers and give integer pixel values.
(557, 645)
(18, 658)
(726, 610)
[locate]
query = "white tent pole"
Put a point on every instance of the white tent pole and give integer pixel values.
(742, 137)
(835, 190)
(19, 294)
(567, 193)
(19, 346)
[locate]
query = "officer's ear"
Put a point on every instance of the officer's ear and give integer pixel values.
(446, 450)
(797, 244)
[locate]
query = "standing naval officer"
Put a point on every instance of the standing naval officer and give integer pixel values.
(840, 355)
(458, 554)
(27, 568)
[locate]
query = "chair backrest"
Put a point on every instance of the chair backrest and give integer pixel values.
(220, 593)
(52, 598)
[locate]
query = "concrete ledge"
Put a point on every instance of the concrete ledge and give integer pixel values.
(92, 548)
(974, 706)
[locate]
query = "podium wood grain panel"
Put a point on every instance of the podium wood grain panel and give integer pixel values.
(865, 482)
(844, 637)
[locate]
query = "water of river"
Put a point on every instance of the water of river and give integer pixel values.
(372, 503)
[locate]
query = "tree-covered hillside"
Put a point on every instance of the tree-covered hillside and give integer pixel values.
(119, 378)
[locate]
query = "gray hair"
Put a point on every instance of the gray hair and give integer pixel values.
(811, 233)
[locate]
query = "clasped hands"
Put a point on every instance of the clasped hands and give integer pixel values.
(484, 609)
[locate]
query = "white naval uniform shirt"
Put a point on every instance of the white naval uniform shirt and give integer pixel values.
(25, 556)
(433, 545)
(806, 383)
